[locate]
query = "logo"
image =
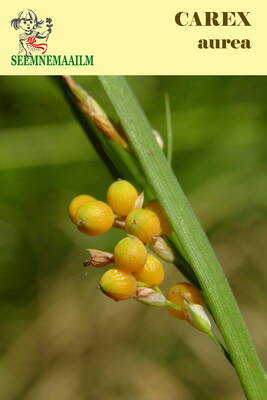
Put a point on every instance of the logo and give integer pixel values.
(32, 31)
(32, 44)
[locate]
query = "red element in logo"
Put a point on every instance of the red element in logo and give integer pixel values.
(32, 41)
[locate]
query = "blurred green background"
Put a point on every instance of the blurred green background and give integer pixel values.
(61, 338)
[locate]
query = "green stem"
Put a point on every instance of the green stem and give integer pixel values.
(192, 240)
(219, 345)
(211, 334)
(169, 127)
(169, 303)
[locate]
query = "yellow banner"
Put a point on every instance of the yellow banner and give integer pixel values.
(133, 37)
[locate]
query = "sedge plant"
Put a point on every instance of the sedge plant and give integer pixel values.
(132, 151)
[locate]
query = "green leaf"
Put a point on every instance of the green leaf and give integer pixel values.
(189, 237)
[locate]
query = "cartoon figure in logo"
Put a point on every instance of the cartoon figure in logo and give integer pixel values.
(29, 23)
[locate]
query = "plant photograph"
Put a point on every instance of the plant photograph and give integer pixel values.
(133, 226)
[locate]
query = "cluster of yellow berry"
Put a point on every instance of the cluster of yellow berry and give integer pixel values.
(138, 273)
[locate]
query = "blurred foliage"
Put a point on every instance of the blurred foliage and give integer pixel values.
(60, 337)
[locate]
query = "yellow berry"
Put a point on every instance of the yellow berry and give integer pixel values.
(94, 218)
(118, 284)
(143, 224)
(121, 197)
(77, 202)
(182, 291)
(130, 254)
(152, 272)
(154, 206)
